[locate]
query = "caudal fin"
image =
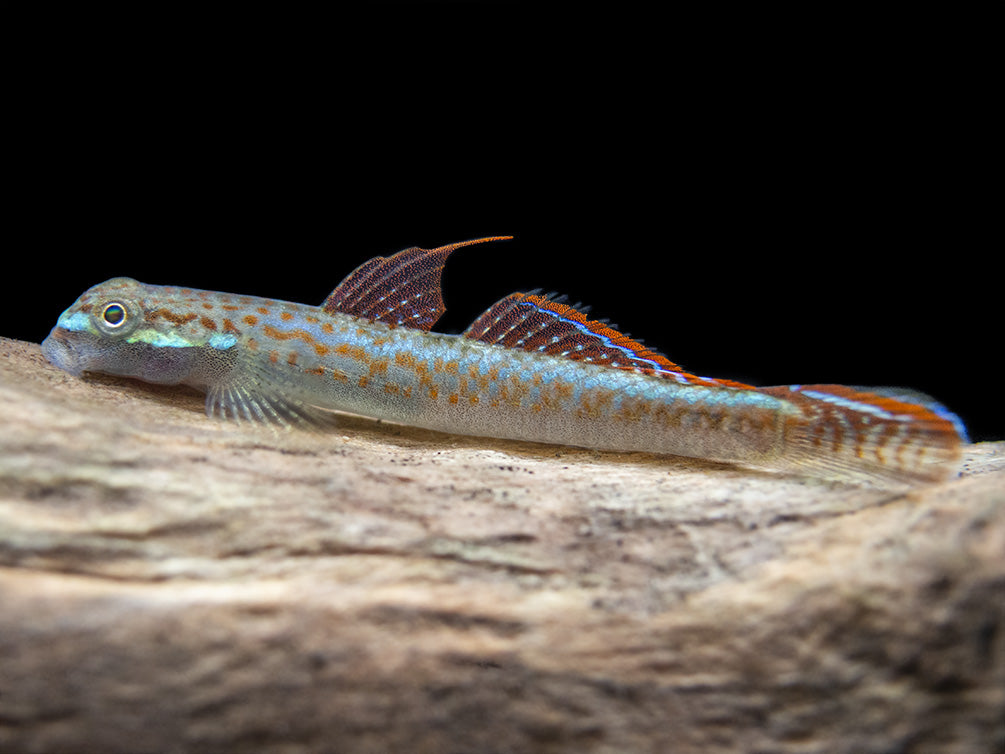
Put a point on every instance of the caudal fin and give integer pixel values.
(886, 434)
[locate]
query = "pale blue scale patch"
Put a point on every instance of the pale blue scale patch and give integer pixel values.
(159, 339)
(222, 342)
(75, 322)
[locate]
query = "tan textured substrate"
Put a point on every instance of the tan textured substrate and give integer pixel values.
(168, 583)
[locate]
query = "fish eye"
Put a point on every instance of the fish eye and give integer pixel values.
(114, 314)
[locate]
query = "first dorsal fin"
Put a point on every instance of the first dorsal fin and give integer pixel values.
(531, 322)
(401, 290)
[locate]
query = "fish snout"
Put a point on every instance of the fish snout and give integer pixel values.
(59, 351)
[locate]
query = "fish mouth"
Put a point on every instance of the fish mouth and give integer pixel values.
(59, 351)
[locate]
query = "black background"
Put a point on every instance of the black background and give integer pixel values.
(810, 204)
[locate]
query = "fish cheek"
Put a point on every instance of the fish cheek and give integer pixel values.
(160, 365)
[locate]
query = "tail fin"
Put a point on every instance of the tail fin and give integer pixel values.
(887, 434)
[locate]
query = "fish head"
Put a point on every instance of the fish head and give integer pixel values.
(124, 327)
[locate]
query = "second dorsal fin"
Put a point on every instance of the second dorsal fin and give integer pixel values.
(531, 322)
(401, 290)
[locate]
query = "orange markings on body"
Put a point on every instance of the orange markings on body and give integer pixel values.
(480, 380)
(552, 397)
(594, 403)
(516, 390)
(633, 409)
(297, 334)
(170, 316)
(665, 414)
(353, 352)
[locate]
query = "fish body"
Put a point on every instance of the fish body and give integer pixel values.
(529, 368)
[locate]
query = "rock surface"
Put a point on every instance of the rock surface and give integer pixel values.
(172, 584)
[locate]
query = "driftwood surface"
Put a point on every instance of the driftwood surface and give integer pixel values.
(169, 583)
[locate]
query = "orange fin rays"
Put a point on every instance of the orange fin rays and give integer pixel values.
(402, 290)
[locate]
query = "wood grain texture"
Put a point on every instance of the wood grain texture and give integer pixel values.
(169, 583)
